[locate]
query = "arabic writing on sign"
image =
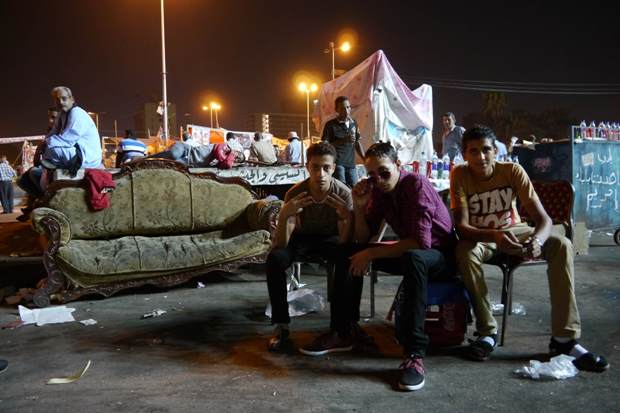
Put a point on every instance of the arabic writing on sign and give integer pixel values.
(268, 175)
(597, 177)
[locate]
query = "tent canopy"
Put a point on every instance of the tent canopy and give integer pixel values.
(383, 106)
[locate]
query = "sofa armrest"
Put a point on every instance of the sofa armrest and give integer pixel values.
(49, 221)
(263, 214)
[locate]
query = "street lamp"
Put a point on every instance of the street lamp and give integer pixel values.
(206, 108)
(307, 89)
(163, 75)
(215, 107)
(344, 47)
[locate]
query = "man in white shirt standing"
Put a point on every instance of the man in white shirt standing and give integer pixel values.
(73, 142)
(293, 150)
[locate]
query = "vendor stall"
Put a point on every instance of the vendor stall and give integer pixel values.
(383, 106)
(591, 165)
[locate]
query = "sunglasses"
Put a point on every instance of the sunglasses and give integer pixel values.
(384, 175)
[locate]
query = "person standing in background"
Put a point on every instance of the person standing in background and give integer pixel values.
(452, 136)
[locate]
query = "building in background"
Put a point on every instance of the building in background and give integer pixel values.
(148, 119)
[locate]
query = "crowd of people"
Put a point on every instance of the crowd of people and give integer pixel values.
(332, 214)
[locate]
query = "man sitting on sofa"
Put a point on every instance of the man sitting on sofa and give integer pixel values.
(73, 142)
(483, 194)
(315, 218)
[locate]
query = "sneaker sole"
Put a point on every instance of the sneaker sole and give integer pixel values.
(323, 352)
(410, 387)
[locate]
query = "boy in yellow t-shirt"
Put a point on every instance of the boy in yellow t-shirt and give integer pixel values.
(483, 200)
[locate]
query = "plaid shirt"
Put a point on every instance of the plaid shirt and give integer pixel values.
(6, 172)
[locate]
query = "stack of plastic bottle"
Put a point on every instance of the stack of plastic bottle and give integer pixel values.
(435, 167)
(609, 131)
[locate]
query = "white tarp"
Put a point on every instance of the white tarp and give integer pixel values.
(383, 106)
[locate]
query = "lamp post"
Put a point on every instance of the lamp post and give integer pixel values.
(215, 107)
(206, 108)
(344, 47)
(163, 75)
(305, 88)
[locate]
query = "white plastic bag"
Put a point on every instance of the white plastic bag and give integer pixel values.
(559, 367)
(300, 302)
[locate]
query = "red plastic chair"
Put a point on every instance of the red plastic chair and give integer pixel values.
(557, 200)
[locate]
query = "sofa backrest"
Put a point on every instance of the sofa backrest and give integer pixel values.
(156, 201)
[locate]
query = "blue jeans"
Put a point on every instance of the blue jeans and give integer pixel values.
(346, 174)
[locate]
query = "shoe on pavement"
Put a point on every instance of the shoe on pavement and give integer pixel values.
(480, 350)
(279, 340)
(412, 374)
(587, 362)
(330, 342)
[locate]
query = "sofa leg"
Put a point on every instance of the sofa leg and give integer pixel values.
(55, 280)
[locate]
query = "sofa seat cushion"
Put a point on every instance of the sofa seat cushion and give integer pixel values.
(91, 262)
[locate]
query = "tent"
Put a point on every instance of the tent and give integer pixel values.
(383, 106)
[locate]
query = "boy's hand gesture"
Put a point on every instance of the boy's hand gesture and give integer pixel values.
(295, 205)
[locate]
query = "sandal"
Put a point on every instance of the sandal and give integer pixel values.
(480, 350)
(587, 362)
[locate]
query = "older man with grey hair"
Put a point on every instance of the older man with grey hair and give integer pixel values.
(73, 142)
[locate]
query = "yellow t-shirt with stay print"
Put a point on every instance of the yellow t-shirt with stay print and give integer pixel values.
(491, 203)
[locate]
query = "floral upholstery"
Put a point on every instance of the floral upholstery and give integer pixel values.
(90, 262)
(110, 222)
(161, 221)
(154, 202)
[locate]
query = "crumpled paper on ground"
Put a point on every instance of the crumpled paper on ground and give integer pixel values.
(48, 315)
(559, 367)
(300, 302)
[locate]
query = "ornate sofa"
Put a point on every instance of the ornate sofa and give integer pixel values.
(164, 226)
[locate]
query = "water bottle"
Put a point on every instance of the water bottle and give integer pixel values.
(581, 132)
(423, 160)
(439, 168)
(602, 131)
(610, 131)
(434, 166)
(515, 159)
(615, 132)
(446, 166)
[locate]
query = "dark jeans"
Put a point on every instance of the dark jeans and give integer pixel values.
(346, 175)
(416, 266)
(279, 259)
(30, 181)
(6, 196)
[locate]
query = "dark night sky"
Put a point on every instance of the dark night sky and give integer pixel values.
(247, 52)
